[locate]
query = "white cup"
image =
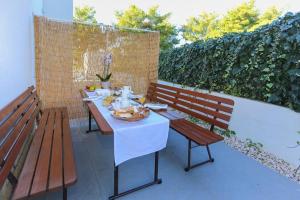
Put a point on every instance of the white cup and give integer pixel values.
(103, 92)
(116, 105)
(125, 103)
(126, 88)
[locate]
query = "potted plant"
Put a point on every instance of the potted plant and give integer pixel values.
(107, 60)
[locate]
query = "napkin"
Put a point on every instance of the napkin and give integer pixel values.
(156, 106)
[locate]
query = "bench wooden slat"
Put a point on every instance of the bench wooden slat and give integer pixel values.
(11, 157)
(10, 122)
(40, 179)
(27, 174)
(56, 168)
(204, 110)
(9, 108)
(211, 109)
(182, 130)
(209, 104)
(191, 96)
(195, 114)
(197, 133)
(194, 93)
(193, 99)
(210, 136)
(10, 139)
(193, 106)
(69, 167)
(202, 102)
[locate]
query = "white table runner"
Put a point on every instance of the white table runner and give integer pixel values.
(134, 139)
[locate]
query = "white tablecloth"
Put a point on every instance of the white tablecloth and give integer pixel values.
(134, 139)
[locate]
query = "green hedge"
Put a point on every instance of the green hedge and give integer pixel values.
(261, 65)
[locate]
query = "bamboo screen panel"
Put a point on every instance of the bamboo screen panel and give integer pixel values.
(68, 55)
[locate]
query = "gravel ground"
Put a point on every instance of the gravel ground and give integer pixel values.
(265, 158)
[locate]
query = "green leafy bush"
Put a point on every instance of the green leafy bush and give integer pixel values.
(262, 65)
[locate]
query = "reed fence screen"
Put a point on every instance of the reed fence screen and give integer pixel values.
(69, 54)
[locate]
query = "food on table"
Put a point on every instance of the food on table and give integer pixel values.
(125, 115)
(108, 100)
(132, 113)
(129, 110)
(91, 88)
(142, 100)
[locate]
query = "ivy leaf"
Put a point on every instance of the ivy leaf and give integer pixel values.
(269, 85)
(263, 64)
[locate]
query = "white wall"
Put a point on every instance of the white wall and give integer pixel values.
(16, 72)
(274, 126)
(17, 41)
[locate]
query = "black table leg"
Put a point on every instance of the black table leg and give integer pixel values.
(156, 179)
(116, 180)
(90, 124)
(65, 194)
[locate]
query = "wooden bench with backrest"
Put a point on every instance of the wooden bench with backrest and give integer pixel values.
(49, 164)
(213, 110)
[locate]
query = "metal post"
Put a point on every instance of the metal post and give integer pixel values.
(90, 122)
(189, 156)
(116, 180)
(156, 168)
(209, 155)
(65, 194)
(12, 179)
(116, 174)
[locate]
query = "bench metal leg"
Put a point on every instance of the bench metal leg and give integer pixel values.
(116, 181)
(189, 166)
(12, 179)
(65, 194)
(90, 124)
(189, 156)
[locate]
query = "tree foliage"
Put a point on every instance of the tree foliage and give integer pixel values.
(201, 27)
(245, 17)
(85, 14)
(262, 65)
(134, 17)
(240, 19)
(267, 17)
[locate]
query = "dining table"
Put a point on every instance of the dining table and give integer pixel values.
(130, 139)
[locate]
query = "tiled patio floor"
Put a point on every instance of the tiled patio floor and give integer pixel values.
(232, 176)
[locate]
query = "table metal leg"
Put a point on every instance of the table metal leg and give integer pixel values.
(65, 194)
(116, 180)
(90, 124)
(156, 179)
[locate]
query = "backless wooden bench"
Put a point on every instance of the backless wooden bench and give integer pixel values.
(213, 110)
(49, 164)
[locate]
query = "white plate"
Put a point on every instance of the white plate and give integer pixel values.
(136, 96)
